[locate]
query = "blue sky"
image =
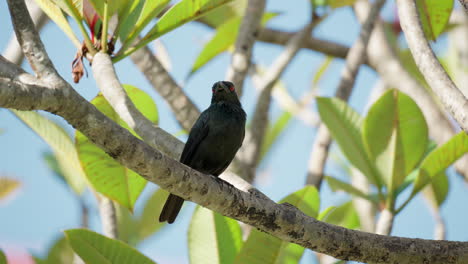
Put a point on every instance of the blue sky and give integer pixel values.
(44, 206)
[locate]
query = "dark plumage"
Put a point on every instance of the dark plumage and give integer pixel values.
(213, 140)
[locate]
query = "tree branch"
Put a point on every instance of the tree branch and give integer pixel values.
(464, 3)
(13, 50)
(30, 42)
(185, 111)
(451, 98)
(323, 46)
(108, 217)
(249, 154)
(283, 221)
(354, 60)
(248, 32)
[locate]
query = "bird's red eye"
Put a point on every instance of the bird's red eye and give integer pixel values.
(231, 88)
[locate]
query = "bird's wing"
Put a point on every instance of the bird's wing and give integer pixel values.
(198, 132)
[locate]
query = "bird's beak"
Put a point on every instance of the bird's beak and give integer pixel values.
(221, 87)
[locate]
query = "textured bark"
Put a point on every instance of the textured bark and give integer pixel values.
(13, 50)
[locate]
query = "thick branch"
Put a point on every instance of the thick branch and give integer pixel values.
(248, 32)
(451, 98)
(13, 50)
(354, 60)
(283, 221)
(182, 106)
(30, 42)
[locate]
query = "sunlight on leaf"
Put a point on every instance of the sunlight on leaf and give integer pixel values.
(94, 248)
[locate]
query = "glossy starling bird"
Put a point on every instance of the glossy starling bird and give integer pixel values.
(213, 140)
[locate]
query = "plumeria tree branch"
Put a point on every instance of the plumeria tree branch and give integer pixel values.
(450, 96)
(13, 50)
(248, 32)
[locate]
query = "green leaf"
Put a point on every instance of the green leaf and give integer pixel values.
(224, 13)
(434, 15)
(56, 15)
(181, 13)
(395, 135)
(3, 259)
(262, 248)
(213, 238)
(436, 192)
(147, 222)
(60, 252)
(141, 14)
(94, 248)
(224, 38)
(440, 159)
(338, 185)
(344, 125)
(325, 213)
(128, 19)
(62, 146)
(344, 215)
(8, 186)
(340, 3)
(105, 174)
(113, 6)
(127, 226)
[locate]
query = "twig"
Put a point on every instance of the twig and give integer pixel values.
(248, 32)
(13, 50)
(354, 60)
(108, 216)
(450, 97)
(249, 153)
(185, 111)
(385, 223)
(283, 221)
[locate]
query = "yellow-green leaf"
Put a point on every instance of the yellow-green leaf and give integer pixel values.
(440, 159)
(262, 248)
(62, 145)
(94, 248)
(56, 15)
(105, 174)
(213, 238)
(434, 15)
(8, 186)
(344, 125)
(395, 135)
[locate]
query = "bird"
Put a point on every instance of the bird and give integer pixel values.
(213, 140)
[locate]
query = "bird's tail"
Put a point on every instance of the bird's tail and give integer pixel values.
(171, 209)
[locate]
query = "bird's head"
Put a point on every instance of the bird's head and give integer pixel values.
(224, 91)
